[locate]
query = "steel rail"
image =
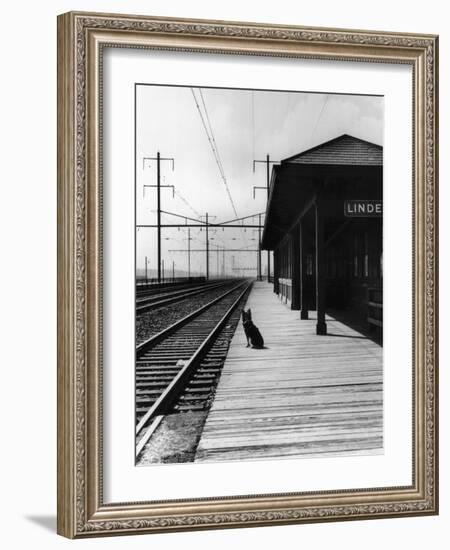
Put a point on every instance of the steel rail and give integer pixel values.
(143, 293)
(178, 383)
(156, 338)
(146, 304)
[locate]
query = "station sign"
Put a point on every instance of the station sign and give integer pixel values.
(363, 209)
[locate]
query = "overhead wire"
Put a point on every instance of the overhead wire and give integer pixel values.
(213, 145)
(253, 125)
(181, 197)
(207, 126)
(318, 119)
(212, 136)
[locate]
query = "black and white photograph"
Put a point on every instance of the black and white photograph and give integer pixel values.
(222, 252)
(259, 274)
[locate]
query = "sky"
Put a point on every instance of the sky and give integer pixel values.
(214, 135)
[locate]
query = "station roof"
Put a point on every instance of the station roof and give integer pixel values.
(343, 150)
(292, 181)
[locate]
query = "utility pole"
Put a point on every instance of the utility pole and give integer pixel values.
(267, 162)
(158, 220)
(259, 251)
(162, 266)
(206, 225)
(158, 186)
(198, 223)
(207, 249)
(146, 272)
(173, 270)
(217, 258)
(189, 252)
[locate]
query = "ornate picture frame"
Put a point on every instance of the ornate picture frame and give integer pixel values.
(82, 39)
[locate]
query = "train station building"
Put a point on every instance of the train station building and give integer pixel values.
(324, 224)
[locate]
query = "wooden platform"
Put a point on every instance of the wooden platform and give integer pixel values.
(305, 395)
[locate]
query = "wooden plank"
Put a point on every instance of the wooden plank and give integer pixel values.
(303, 395)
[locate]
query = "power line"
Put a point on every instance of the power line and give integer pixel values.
(213, 145)
(253, 124)
(318, 118)
(222, 171)
(180, 196)
(215, 149)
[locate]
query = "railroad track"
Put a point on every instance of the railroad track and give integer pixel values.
(145, 292)
(144, 304)
(177, 369)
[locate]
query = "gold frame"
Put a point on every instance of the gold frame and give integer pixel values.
(81, 37)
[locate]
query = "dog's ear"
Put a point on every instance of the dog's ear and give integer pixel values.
(249, 312)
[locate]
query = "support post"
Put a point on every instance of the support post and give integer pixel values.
(207, 249)
(275, 271)
(295, 301)
(158, 186)
(303, 263)
(268, 185)
(189, 252)
(267, 162)
(321, 326)
(259, 250)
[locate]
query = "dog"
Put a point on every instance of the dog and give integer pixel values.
(252, 333)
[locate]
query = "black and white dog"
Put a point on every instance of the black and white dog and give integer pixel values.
(252, 333)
